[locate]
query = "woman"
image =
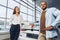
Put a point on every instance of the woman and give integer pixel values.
(15, 21)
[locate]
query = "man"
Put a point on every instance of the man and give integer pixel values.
(49, 18)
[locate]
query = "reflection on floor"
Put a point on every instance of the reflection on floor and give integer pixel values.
(7, 39)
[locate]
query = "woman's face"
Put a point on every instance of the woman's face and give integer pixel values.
(17, 10)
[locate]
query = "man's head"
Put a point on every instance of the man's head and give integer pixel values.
(43, 5)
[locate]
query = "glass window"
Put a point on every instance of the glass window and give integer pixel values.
(30, 22)
(37, 15)
(2, 20)
(1, 27)
(23, 3)
(18, 0)
(2, 11)
(30, 7)
(29, 18)
(37, 19)
(9, 13)
(33, 19)
(38, 7)
(7, 25)
(24, 16)
(23, 9)
(33, 13)
(3, 2)
(30, 1)
(24, 0)
(30, 12)
(12, 3)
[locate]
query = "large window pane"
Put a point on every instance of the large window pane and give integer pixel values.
(24, 16)
(3, 2)
(29, 18)
(33, 13)
(33, 19)
(2, 11)
(30, 12)
(17, 0)
(25, 0)
(31, 1)
(9, 13)
(2, 20)
(2, 27)
(12, 3)
(38, 15)
(23, 3)
(7, 24)
(30, 7)
(23, 9)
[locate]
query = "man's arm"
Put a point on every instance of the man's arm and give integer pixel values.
(57, 20)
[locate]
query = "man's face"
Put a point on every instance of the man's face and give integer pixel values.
(43, 5)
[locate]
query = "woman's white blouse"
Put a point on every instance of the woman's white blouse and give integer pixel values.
(16, 20)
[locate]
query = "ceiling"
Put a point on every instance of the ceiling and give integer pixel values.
(51, 3)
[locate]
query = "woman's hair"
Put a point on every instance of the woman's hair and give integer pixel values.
(14, 11)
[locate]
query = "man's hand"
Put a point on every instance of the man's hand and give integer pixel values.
(48, 28)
